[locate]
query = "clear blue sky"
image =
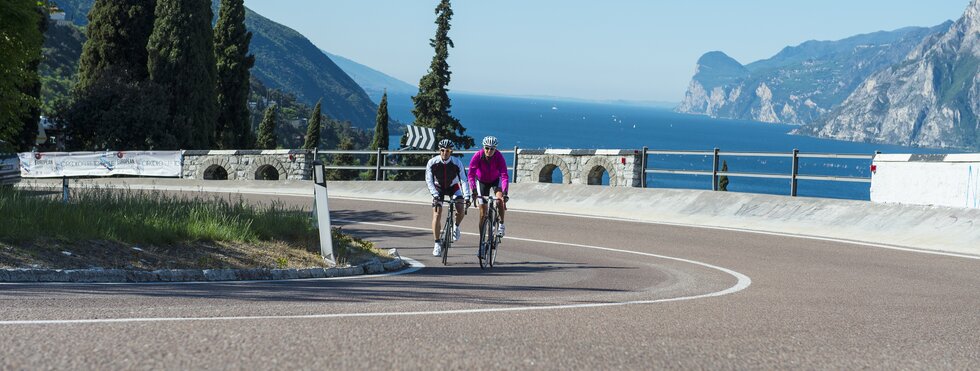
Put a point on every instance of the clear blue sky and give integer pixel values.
(643, 50)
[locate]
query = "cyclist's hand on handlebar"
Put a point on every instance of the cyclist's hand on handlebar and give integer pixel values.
(436, 201)
(468, 203)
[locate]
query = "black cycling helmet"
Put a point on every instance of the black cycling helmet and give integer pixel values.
(445, 143)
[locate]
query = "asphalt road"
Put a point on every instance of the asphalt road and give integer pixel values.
(568, 292)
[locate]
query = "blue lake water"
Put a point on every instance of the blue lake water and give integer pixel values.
(548, 123)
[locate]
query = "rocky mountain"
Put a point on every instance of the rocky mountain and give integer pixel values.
(930, 99)
(288, 61)
(799, 84)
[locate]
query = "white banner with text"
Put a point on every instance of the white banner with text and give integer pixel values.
(109, 163)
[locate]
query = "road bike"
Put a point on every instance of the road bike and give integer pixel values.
(489, 239)
(447, 227)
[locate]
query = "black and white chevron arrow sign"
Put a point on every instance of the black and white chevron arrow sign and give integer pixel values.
(421, 138)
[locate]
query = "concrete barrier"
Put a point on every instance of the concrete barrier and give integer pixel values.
(938, 228)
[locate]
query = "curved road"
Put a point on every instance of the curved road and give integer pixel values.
(568, 292)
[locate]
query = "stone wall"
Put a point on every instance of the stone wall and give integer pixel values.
(283, 164)
(580, 166)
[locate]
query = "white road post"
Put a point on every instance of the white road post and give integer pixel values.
(322, 212)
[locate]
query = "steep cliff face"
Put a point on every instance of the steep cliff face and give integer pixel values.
(930, 99)
(799, 84)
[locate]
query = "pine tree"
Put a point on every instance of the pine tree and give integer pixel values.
(20, 46)
(231, 42)
(313, 129)
(117, 33)
(267, 130)
(180, 55)
(380, 140)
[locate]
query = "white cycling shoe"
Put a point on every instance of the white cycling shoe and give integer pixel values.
(456, 233)
(437, 250)
(500, 230)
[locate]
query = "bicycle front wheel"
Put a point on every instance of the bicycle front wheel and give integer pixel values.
(486, 236)
(447, 236)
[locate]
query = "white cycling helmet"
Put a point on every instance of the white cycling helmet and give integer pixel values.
(446, 143)
(490, 141)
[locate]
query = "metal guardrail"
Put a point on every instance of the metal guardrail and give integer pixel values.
(793, 175)
(381, 158)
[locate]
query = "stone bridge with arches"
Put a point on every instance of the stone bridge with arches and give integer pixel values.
(282, 164)
(580, 166)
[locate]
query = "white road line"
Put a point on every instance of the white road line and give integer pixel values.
(742, 283)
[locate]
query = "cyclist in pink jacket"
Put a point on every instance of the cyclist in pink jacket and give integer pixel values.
(488, 169)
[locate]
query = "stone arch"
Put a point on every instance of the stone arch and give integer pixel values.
(592, 171)
(207, 168)
(261, 164)
(545, 165)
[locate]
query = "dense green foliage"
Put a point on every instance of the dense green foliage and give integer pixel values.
(344, 160)
(20, 52)
(181, 61)
(313, 129)
(117, 33)
(231, 41)
(119, 112)
(266, 138)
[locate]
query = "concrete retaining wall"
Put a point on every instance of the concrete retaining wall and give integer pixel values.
(285, 164)
(942, 180)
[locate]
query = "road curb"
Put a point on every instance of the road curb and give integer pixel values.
(22, 275)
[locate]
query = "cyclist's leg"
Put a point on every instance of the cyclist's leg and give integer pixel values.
(436, 219)
(480, 192)
(460, 206)
(501, 205)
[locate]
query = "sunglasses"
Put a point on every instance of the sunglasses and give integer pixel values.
(489, 148)
(445, 150)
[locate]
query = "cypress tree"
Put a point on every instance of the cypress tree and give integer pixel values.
(117, 33)
(231, 41)
(380, 130)
(313, 129)
(267, 130)
(432, 105)
(723, 180)
(114, 105)
(20, 46)
(181, 60)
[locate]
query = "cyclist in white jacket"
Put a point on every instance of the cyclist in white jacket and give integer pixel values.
(444, 175)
